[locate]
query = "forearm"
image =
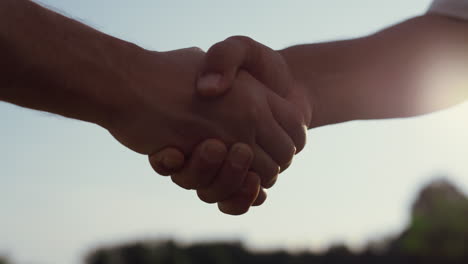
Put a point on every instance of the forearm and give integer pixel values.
(55, 64)
(415, 67)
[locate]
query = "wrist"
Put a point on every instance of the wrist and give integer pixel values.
(328, 74)
(310, 82)
(113, 89)
(122, 98)
(147, 77)
(298, 94)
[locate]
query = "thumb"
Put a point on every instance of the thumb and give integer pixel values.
(222, 62)
(224, 59)
(167, 161)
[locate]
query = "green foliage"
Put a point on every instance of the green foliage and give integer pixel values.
(170, 253)
(437, 233)
(439, 225)
(3, 260)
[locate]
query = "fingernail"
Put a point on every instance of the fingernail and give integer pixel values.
(213, 152)
(240, 157)
(209, 83)
(170, 162)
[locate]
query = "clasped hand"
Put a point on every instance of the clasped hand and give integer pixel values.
(224, 123)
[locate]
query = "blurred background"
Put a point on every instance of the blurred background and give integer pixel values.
(69, 193)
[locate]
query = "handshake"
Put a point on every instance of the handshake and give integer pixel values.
(224, 123)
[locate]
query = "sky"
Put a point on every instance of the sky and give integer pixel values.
(67, 186)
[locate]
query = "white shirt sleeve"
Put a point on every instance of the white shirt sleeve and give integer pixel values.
(452, 8)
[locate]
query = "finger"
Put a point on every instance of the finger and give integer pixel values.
(286, 166)
(224, 59)
(231, 175)
(261, 198)
(274, 141)
(240, 202)
(273, 181)
(167, 161)
(264, 166)
(290, 120)
(203, 165)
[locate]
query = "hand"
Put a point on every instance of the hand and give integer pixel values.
(166, 112)
(221, 67)
(266, 65)
(201, 168)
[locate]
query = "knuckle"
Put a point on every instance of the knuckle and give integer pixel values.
(196, 49)
(240, 38)
(253, 48)
(216, 48)
(219, 49)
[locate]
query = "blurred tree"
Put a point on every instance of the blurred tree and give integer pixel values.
(439, 224)
(3, 260)
(214, 253)
(166, 252)
(437, 233)
(170, 253)
(338, 250)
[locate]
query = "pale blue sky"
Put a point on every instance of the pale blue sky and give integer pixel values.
(67, 185)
